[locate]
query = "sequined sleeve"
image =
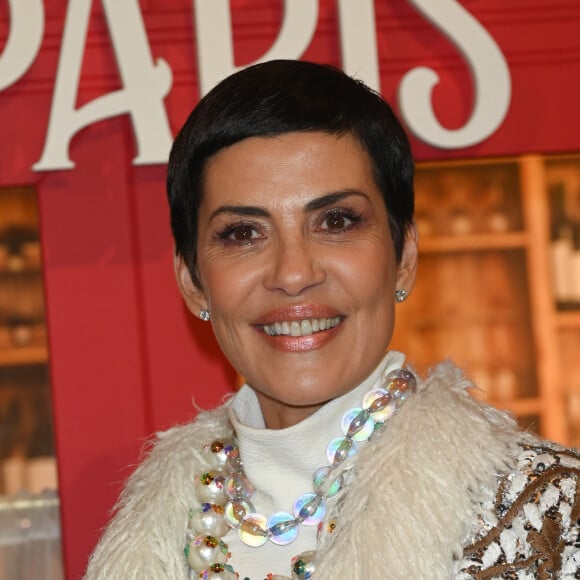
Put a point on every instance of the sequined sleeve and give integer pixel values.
(531, 529)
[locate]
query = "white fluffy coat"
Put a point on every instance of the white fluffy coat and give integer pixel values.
(408, 513)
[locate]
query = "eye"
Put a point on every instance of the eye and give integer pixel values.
(242, 233)
(239, 233)
(336, 222)
(339, 220)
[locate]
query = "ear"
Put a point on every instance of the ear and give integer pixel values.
(407, 270)
(192, 293)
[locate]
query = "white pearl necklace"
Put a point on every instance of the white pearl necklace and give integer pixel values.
(226, 492)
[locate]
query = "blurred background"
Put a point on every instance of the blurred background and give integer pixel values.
(97, 353)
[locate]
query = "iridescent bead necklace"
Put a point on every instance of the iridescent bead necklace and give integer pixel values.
(226, 492)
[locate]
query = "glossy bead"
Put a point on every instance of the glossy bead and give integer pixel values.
(209, 520)
(238, 486)
(380, 404)
(210, 487)
(283, 528)
(357, 424)
(403, 386)
(326, 482)
(378, 394)
(303, 566)
(218, 572)
(206, 550)
(235, 511)
(400, 377)
(218, 451)
(310, 508)
(234, 462)
(339, 449)
(253, 530)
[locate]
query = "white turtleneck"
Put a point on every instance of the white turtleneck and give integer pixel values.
(280, 463)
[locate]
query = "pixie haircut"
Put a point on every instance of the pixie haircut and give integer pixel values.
(284, 96)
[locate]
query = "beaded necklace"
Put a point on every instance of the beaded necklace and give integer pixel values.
(226, 492)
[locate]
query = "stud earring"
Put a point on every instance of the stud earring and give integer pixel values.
(204, 315)
(401, 295)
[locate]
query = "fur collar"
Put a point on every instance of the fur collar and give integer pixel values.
(418, 488)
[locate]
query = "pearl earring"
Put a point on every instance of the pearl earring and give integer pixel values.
(204, 315)
(401, 295)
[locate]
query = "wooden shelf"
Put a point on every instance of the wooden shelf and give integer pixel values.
(460, 320)
(473, 242)
(520, 407)
(568, 319)
(26, 270)
(23, 355)
(484, 298)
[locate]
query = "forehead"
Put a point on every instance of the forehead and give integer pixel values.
(288, 165)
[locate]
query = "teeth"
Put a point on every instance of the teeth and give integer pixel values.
(297, 328)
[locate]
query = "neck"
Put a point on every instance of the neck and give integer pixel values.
(277, 416)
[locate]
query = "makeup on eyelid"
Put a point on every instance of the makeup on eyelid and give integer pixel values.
(352, 219)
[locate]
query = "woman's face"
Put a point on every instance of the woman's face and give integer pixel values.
(297, 267)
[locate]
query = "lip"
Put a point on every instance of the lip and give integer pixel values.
(290, 313)
(298, 312)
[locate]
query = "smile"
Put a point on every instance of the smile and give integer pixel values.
(297, 328)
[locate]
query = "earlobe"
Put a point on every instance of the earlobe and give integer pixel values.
(193, 295)
(407, 270)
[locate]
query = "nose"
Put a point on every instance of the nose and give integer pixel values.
(295, 267)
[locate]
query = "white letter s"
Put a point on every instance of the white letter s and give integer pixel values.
(490, 75)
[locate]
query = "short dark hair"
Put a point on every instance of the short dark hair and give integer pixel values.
(284, 96)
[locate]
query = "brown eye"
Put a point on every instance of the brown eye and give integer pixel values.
(340, 220)
(240, 233)
(243, 233)
(336, 222)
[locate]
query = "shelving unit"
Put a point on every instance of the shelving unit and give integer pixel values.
(29, 355)
(484, 295)
(562, 176)
(568, 319)
(25, 410)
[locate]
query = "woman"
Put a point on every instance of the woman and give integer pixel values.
(291, 196)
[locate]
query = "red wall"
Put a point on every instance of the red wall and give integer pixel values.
(126, 360)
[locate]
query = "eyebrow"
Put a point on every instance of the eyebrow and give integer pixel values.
(313, 205)
(332, 198)
(242, 210)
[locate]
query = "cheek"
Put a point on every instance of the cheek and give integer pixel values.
(369, 273)
(228, 287)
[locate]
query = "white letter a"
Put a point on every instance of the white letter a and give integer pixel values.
(145, 85)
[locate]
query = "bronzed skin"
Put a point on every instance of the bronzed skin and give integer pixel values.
(294, 227)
